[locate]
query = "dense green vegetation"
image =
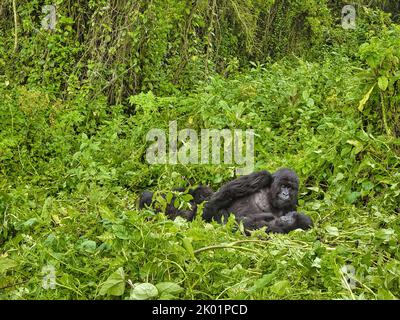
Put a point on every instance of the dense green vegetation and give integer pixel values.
(76, 104)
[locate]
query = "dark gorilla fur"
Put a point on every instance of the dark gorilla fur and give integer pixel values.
(260, 199)
(199, 194)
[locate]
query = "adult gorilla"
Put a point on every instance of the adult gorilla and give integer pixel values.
(260, 199)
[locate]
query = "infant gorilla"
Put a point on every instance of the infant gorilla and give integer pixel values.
(257, 200)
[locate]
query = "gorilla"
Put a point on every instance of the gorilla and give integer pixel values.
(257, 200)
(199, 194)
(260, 199)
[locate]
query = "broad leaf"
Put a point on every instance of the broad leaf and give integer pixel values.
(143, 291)
(115, 284)
(264, 281)
(168, 288)
(333, 231)
(383, 83)
(88, 246)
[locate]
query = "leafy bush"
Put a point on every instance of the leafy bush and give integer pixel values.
(382, 57)
(76, 105)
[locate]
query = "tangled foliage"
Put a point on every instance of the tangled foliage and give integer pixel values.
(76, 104)
(121, 48)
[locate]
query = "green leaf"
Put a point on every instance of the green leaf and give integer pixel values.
(280, 287)
(171, 288)
(316, 205)
(384, 294)
(187, 244)
(264, 281)
(107, 214)
(310, 102)
(357, 144)
(187, 197)
(167, 296)
(339, 177)
(143, 291)
(364, 100)
(121, 232)
(88, 246)
(333, 231)
(169, 197)
(383, 83)
(176, 203)
(352, 197)
(6, 263)
(29, 223)
(367, 185)
(115, 284)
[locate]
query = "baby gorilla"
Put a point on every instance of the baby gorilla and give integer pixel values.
(260, 199)
(199, 194)
(283, 224)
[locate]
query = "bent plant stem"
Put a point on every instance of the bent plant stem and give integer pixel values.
(347, 286)
(15, 26)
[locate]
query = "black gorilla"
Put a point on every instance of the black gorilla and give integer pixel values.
(260, 199)
(199, 194)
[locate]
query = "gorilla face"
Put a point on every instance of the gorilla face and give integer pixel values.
(284, 194)
(284, 189)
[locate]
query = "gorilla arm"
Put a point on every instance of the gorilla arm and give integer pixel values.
(243, 186)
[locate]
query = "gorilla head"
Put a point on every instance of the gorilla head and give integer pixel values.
(201, 193)
(284, 189)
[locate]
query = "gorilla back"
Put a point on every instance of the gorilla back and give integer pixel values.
(199, 194)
